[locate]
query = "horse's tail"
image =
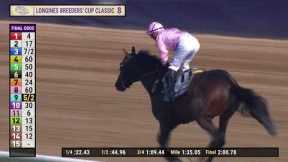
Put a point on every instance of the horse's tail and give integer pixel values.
(248, 99)
(252, 104)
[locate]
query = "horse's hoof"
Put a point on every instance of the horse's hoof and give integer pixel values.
(205, 159)
(174, 160)
(187, 159)
(202, 159)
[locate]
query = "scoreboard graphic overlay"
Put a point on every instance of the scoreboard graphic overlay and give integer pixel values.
(22, 90)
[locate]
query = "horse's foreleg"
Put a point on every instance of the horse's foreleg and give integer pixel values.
(164, 135)
(163, 139)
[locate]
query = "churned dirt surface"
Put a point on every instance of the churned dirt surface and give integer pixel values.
(79, 106)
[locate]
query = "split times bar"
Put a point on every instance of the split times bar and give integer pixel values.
(22, 90)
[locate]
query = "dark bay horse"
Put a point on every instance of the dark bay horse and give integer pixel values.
(211, 93)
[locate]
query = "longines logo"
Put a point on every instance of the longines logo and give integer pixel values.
(21, 10)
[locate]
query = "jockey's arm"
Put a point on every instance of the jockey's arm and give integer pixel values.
(163, 51)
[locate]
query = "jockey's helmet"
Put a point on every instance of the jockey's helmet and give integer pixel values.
(154, 28)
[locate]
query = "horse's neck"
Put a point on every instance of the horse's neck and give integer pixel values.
(148, 82)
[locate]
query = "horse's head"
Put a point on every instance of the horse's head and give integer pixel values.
(134, 66)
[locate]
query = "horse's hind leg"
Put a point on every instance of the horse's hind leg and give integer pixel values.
(223, 122)
(224, 119)
(207, 124)
(219, 138)
(163, 139)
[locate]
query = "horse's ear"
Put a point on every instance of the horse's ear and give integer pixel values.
(133, 50)
(125, 51)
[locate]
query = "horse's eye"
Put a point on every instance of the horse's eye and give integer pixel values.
(121, 66)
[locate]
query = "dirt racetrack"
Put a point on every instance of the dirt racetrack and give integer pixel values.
(79, 106)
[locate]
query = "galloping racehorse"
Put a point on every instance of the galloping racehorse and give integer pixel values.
(211, 93)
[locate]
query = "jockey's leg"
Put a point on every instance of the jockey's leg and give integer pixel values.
(187, 47)
(185, 51)
(172, 77)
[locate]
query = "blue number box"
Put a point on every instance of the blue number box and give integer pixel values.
(15, 51)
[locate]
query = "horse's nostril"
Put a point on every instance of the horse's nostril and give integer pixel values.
(119, 87)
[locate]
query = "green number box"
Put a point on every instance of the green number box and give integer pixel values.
(15, 120)
(15, 67)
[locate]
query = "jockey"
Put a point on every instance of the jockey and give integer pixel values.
(184, 45)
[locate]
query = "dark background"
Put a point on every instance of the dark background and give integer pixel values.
(251, 18)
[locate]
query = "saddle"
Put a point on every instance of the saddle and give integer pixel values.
(181, 85)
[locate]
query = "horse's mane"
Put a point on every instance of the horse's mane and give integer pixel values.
(146, 58)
